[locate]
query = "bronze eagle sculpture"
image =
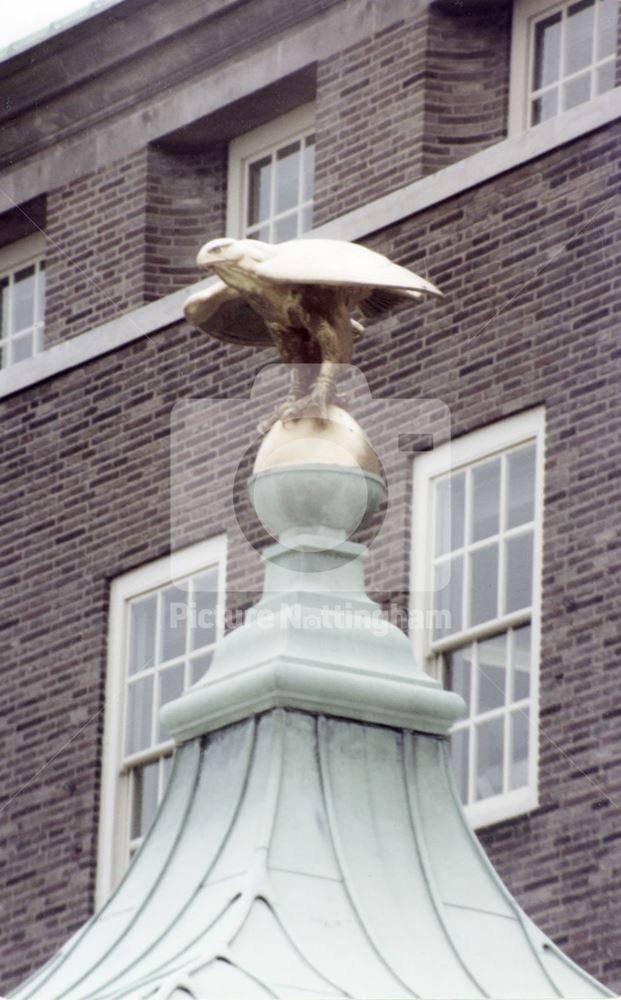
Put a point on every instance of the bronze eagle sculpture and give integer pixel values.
(299, 296)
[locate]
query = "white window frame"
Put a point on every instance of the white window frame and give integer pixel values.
(525, 13)
(465, 451)
(113, 836)
(250, 146)
(14, 257)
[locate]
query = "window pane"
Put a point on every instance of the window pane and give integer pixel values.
(171, 682)
(460, 747)
(199, 666)
(173, 625)
(605, 79)
(450, 499)
(521, 663)
(21, 348)
(518, 771)
(139, 715)
(286, 228)
(519, 570)
(485, 500)
(204, 610)
(520, 486)
(546, 65)
(4, 310)
(576, 91)
(459, 672)
(489, 761)
(144, 798)
(308, 185)
(23, 299)
(545, 107)
(307, 218)
(607, 29)
(492, 672)
(142, 626)
(449, 581)
(259, 185)
(579, 36)
(288, 177)
(484, 584)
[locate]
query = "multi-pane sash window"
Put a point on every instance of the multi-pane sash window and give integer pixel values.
(22, 300)
(279, 191)
(162, 638)
(483, 558)
(171, 632)
(567, 51)
(573, 56)
(271, 179)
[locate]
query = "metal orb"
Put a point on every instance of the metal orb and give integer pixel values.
(338, 441)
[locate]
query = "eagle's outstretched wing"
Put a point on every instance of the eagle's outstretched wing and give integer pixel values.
(334, 262)
(221, 312)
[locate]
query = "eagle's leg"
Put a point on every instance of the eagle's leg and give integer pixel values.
(335, 342)
(296, 385)
(295, 391)
(291, 351)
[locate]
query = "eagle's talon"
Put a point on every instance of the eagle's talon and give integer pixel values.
(265, 426)
(278, 413)
(312, 407)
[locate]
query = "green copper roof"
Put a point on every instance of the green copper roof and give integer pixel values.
(301, 856)
(310, 843)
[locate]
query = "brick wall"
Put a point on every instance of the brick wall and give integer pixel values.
(91, 452)
(415, 97)
(466, 84)
(527, 263)
(95, 248)
(185, 206)
(531, 315)
(370, 108)
(128, 234)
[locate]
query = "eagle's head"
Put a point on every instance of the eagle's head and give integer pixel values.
(228, 251)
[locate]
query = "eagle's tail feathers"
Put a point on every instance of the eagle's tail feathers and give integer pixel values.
(383, 300)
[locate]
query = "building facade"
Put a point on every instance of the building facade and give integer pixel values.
(477, 144)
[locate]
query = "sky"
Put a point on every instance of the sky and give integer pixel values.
(26, 17)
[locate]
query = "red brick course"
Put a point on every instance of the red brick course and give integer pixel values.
(186, 204)
(95, 248)
(422, 94)
(466, 85)
(128, 234)
(370, 112)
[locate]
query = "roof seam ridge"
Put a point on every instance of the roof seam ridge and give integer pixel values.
(501, 886)
(328, 800)
(188, 903)
(409, 775)
(198, 751)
